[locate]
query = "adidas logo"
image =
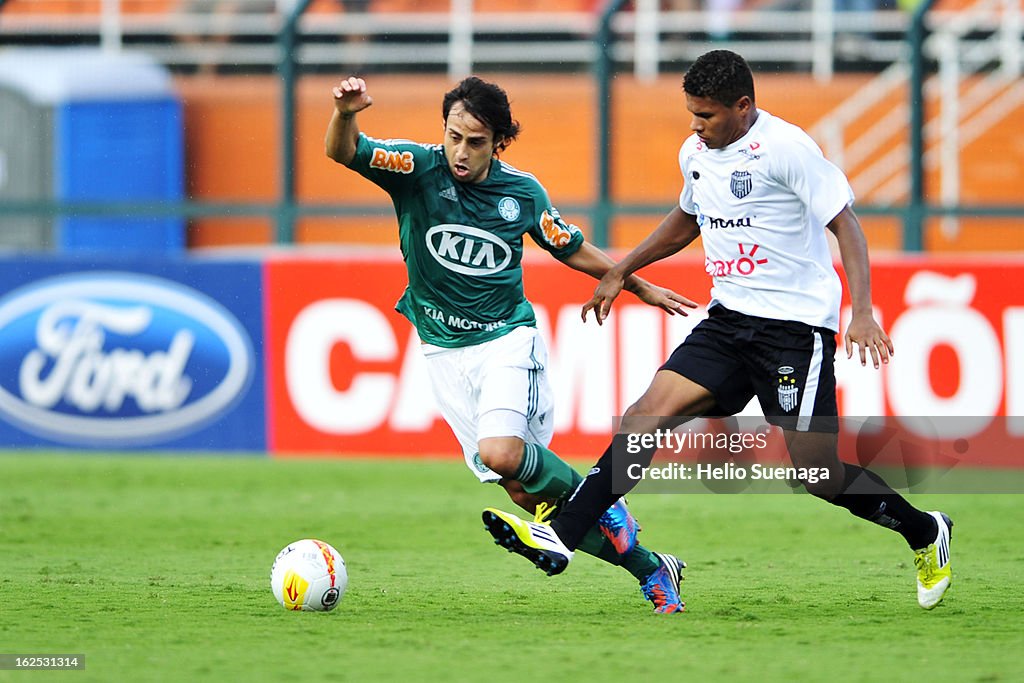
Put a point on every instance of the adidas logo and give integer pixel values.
(943, 543)
(449, 193)
(544, 533)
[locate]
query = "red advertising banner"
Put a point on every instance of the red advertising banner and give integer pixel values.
(346, 374)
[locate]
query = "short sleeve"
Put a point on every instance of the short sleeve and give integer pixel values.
(686, 194)
(550, 231)
(821, 185)
(391, 164)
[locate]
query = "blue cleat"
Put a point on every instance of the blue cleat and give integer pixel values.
(662, 587)
(620, 527)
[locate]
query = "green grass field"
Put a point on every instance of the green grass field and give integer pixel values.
(156, 568)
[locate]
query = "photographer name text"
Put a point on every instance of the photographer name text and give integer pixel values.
(726, 472)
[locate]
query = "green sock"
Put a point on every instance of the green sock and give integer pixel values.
(595, 543)
(543, 473)
(640, 562)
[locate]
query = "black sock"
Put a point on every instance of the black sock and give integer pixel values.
(597, 492)
(867, 496)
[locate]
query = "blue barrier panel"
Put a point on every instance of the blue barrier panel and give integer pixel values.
(120, 151)
(112, 354)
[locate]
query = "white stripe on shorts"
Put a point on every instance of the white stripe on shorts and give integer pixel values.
(810, 386)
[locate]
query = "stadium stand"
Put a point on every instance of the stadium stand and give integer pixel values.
(855, 108)
(424, 35)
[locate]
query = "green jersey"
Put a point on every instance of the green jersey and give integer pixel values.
(463, 242)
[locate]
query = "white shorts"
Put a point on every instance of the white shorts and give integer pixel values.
(498, 388)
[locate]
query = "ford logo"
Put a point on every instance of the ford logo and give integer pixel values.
(116, 359)
(468, 250)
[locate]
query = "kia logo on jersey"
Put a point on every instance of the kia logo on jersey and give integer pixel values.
(468, 250)
(118, 359)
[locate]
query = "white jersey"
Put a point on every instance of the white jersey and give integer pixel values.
(762, 204)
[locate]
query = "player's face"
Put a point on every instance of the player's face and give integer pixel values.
(468, 145)
(716, 124)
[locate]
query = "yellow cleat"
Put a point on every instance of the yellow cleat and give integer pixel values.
(536, 541)
(933, 570)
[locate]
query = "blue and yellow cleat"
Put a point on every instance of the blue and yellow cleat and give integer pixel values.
(662, 587)
(536, 541)
(620, 527)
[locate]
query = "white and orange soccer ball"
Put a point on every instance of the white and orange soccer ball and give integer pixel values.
(309, 575)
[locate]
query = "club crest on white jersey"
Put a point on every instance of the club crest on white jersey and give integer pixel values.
(741, 183)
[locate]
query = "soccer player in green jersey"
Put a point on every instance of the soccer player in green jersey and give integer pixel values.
(462, 214)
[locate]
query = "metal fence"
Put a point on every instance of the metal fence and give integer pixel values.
(645, 41)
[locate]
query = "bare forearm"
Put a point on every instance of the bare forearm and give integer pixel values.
(350, 97)
(853, 251)
(862, 332)
(676, 231)
(594, 262)
(342, 137)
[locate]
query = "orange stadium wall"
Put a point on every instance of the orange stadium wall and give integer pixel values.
(232, 133)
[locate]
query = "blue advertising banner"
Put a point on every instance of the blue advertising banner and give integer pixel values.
(107, 353)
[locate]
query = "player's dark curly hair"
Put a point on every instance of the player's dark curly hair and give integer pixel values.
(719, 75)
(486, 102)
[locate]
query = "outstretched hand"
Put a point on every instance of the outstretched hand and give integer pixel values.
(664, 298)
(605, 293)
(350, 96)
(611, 285)
(869, 337)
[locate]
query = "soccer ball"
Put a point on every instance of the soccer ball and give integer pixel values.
(309, 575)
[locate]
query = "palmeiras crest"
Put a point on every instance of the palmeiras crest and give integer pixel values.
(508, 207)
(741, 183)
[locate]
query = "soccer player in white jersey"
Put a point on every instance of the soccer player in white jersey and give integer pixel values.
(760, 194)
(462, 214)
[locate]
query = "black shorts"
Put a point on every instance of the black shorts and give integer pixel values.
(787, 365)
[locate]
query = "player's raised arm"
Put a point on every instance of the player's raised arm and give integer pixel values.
(675, 232)
(863, 330)
(350, 97)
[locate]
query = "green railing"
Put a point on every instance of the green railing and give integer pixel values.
(287, 205)
(604, 73)
(288, 208)
(913, 218)
(912, 215)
